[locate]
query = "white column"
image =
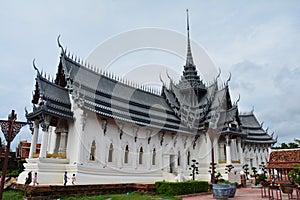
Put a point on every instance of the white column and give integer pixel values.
(44, 144)
(57, 142)
(45, 135)
(119, 153)
(34, 139)
(233, 148)
(228, 152)
(62, 144)
(241, 156)
(80, 141)
(221, 150)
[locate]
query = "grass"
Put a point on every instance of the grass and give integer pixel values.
(131, 196)
(11, 195)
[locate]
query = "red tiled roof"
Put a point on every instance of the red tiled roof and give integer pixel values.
(284, 159)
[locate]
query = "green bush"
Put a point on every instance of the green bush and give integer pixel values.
(180, 188)
(260, 178)
(13, 173)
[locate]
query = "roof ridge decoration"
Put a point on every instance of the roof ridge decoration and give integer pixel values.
(99, 71)
(238, 100)
(60, 46)
(229, 78)
(34, 66)
(113, 76)
(41, 74)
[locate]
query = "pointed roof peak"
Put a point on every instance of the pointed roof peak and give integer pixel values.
(189, 57)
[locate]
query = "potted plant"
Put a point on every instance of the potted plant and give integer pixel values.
(232, 186)
(221, 190)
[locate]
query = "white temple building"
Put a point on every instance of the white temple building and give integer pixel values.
(105, 130)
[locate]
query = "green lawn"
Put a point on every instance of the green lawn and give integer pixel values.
(10, 195)
(131, 196)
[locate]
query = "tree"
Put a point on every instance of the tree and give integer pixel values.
(194, 168)
(290, 145)
(254, 170)
(294, 174)
(246, 170)
(228, 168)
(262, 167)
(218, 175)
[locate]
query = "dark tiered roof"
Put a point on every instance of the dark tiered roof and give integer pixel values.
(253, 129)
(51, 99)
(110, 98)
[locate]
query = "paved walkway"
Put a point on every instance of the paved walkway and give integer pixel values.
(241, 194)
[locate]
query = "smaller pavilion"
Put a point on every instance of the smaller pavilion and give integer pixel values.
(281, 162)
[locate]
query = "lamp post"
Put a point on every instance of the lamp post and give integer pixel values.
(212, 134)
(10, 129)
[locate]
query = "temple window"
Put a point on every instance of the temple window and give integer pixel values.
(93, 150)
(188, 158)
(153, 156)
(126, 154)
(178, 159)
(110, 153)
(141, 156)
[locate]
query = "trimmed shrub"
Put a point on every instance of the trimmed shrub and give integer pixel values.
(180, 188)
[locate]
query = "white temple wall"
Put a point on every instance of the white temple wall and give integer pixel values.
(87, 130)
(93, 132)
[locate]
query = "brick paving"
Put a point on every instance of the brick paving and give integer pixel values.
(241, 194)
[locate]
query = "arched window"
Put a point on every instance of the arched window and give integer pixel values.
(110, 153)
(178, 159)
(153, 156)
(126, 154)
(93, 150)
(141, 156)
(188, 158)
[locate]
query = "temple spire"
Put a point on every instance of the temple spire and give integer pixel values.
(190, 82)
(189, 57)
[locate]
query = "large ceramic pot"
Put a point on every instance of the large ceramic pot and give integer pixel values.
(220, 191)
(232, 190)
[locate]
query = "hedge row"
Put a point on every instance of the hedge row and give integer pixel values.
(180, 188)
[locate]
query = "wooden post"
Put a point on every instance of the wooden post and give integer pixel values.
(10, 129)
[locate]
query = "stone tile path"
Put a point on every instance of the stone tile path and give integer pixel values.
(241, 194)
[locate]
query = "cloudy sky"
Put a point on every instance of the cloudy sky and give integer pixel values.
(257, 41)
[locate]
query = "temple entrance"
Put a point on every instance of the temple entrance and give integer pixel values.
(172, 163)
